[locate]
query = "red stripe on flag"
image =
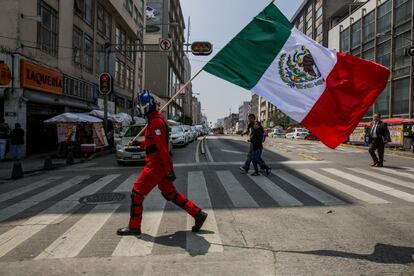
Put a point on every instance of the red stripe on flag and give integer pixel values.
(351, 88)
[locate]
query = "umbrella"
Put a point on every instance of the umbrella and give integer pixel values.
(73, 118)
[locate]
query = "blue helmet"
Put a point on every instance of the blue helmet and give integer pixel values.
(146, 102)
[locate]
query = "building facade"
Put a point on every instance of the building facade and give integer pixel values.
(196, 111)
(56, 51)
(165, 71)
(244, 109)
(314, 17)
(381, 30)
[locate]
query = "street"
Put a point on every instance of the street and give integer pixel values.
(321, 211)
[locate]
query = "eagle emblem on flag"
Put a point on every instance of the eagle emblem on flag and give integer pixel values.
(298, 70)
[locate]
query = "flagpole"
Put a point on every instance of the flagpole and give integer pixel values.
(168, 103)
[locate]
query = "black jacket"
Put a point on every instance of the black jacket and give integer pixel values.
(17, 136)
(256, 138)
(382, 132)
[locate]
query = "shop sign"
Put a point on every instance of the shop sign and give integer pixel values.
(5, 75)
(396, 133)
(10, 114)
(358, 136)
(40, 78)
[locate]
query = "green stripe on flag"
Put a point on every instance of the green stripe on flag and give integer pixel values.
(247, 56)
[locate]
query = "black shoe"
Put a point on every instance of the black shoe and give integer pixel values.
(126, 231)
(243, 170)
(268, 169)
(199, 221)
(379, 165)
(255, 174)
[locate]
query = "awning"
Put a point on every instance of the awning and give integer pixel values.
(73, 118)
(43, 98)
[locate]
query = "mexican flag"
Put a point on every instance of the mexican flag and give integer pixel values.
(327, 92)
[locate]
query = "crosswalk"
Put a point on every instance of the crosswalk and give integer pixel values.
(75, 225)
(318, 148)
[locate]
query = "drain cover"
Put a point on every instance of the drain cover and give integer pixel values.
(102, 198)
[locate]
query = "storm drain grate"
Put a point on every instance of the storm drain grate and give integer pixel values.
(102, 198)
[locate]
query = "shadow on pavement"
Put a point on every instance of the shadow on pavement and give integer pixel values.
(383, 253)
(175, 240)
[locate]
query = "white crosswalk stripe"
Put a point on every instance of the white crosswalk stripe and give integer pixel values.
(370, 184)
(375, 174)
(197, 191)
(396, 172)
(154, 206)
(311, 190)
(54, 214)
(361, 195)
(70, 243)
(28, 188)
(35, 199)
(238, 195)
(279, 195)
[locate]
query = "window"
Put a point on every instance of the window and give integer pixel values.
(356, 51)
(77, 47)
(318, 13)
(130, 47)
(319, 30)
(104, 22)
(80, 89)
(369, 54)
(382, 104)
(119, 39)
(130, 78)
(84, 8)
(88, 46)
(121, 74)
(384, 53)
(136, 15)
(344, 38)
(402, 11)
(100, 59)
(128, 6)
(117, 72)
(368, 26)
(384, 17)
(47, 35)
(356, 34)
(401, 43)
(400, 101)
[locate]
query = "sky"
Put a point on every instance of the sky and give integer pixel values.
(218, 21)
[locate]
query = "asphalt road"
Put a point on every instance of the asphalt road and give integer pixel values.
(320, 212)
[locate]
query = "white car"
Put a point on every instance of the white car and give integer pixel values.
(279, 133)
(297, 133)
(187, 131)
(178, 136)
(151, 13)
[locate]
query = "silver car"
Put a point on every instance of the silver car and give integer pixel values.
(130, 153)
(178, 136)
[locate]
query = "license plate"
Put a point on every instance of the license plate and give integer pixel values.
(136, 156)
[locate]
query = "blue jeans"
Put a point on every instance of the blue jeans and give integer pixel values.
(257, 160)
(16, 151)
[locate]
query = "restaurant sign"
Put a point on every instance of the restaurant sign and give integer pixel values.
(40, 78)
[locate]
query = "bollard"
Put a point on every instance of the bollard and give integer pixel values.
(17, 171)
(48, 165)
(69, 158)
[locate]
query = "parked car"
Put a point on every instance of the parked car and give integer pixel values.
(178, 136)
(278, 133)
(151, 13)
(194, 132)
(132, 153)
(297, 133)
(187, 131)
(311, 136)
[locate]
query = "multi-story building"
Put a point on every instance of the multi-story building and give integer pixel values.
(188, 96)
(381, 30)
(230, 122)
(196, 111)
(165, 71)
(314, 17)
(220, 122)
(56, 49)
(254, 105)
(243, 113)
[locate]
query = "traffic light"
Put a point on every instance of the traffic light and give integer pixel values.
(105, 83)
(201, 48)
(410, 51)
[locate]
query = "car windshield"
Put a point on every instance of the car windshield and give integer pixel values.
(302, 130)
(132, 131)
(176, 130)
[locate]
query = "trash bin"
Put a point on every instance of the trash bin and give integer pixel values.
(407, 142)
(3, 144)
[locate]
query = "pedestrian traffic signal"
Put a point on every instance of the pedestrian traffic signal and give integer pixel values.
(201, 48)
(410, 51)
(105, 83)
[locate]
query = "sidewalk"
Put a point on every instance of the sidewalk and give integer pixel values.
(36, 164)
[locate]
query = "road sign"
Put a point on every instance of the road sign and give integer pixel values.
(410, 51)
(105, 83)
(165, 44)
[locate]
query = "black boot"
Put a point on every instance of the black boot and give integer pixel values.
(126, 231)
(199, 221)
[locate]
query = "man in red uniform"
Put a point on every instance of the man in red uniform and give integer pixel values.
(158, 170)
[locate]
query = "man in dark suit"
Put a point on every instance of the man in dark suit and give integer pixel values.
(378, 136)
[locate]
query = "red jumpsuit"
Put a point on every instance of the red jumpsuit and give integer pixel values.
(158, 165)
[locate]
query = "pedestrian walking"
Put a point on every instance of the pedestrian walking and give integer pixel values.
(17, 142)
(256, 139)
(245, 168)
(4, 138)
(378, 136)
(158, 170)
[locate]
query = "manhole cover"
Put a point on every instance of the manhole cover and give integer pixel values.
(102, 198)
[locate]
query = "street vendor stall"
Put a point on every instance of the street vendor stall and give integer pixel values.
(80, 131)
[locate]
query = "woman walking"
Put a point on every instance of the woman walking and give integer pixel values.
(256, 138)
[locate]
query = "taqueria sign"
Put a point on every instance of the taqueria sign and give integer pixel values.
(40, 78)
